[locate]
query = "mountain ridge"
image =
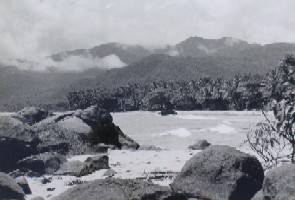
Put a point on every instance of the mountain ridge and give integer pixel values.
(172, 63)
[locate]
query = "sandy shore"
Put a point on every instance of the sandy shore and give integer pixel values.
(159, 167)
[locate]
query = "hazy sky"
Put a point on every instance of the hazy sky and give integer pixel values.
(30, 29)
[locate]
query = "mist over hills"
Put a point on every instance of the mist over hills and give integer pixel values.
(194, 58)
(189, 60)
(196, 47)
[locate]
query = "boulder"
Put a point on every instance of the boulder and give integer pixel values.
(14, 128)
(58, 139)
(279, 183)
(200, 145)
(9, 189)
(75, 124)
(110, 134)
(46, 163)
(116, 189)
(12, 150)
(23, 183)
(168, 112)
(220, 172)
(78, 168)
(74, 168)
(31, 115)
(98, 162)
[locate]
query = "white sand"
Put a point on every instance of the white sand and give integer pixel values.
(127, 165)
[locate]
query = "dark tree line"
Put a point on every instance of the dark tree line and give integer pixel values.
(241, 92)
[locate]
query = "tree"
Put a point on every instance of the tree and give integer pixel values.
(274, 141)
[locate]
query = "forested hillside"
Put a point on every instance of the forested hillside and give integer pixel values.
(190, 60)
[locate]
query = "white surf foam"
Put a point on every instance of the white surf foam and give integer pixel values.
(195, 117)
(223, 128)
(181, 132)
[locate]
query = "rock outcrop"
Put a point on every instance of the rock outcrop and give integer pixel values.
(33, 131)
(118, 189)
(83, 127)
(220, 172)
(78, 168)
(200, 145)
(279, 183)
(98, 162)
(14, 128)
(46, 163)
(9, 189)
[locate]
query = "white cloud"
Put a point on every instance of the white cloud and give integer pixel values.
(69, 63)
(33, 29)
(80, 63)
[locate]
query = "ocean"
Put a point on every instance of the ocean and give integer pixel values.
(177, 132)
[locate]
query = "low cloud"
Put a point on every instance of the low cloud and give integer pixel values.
(69, 63)
(80, 63)
(173, 52)
(206, 50)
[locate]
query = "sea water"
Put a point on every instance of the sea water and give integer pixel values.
(177, 132)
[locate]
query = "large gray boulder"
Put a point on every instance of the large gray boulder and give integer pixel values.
(279, 183)
(58, 139)
(200, 145)
(82, 127)
(98, 162)
(74, 168)
(46, 163)
(78, 168)
(9, 189)
(75, 124)
(117, 189)
(13, 128)
(220, 172)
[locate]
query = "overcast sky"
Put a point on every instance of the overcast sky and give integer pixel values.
(35, 28)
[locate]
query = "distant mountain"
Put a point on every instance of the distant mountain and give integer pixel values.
(189, 60)
(200, 47)
(196, 47)
(225, 64)
(193, 46)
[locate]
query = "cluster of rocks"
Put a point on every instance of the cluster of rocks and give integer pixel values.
(35, 137)
(35, 146)
(34, 142)
(217, 173)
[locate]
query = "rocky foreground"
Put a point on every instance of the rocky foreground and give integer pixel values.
(37, 143)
